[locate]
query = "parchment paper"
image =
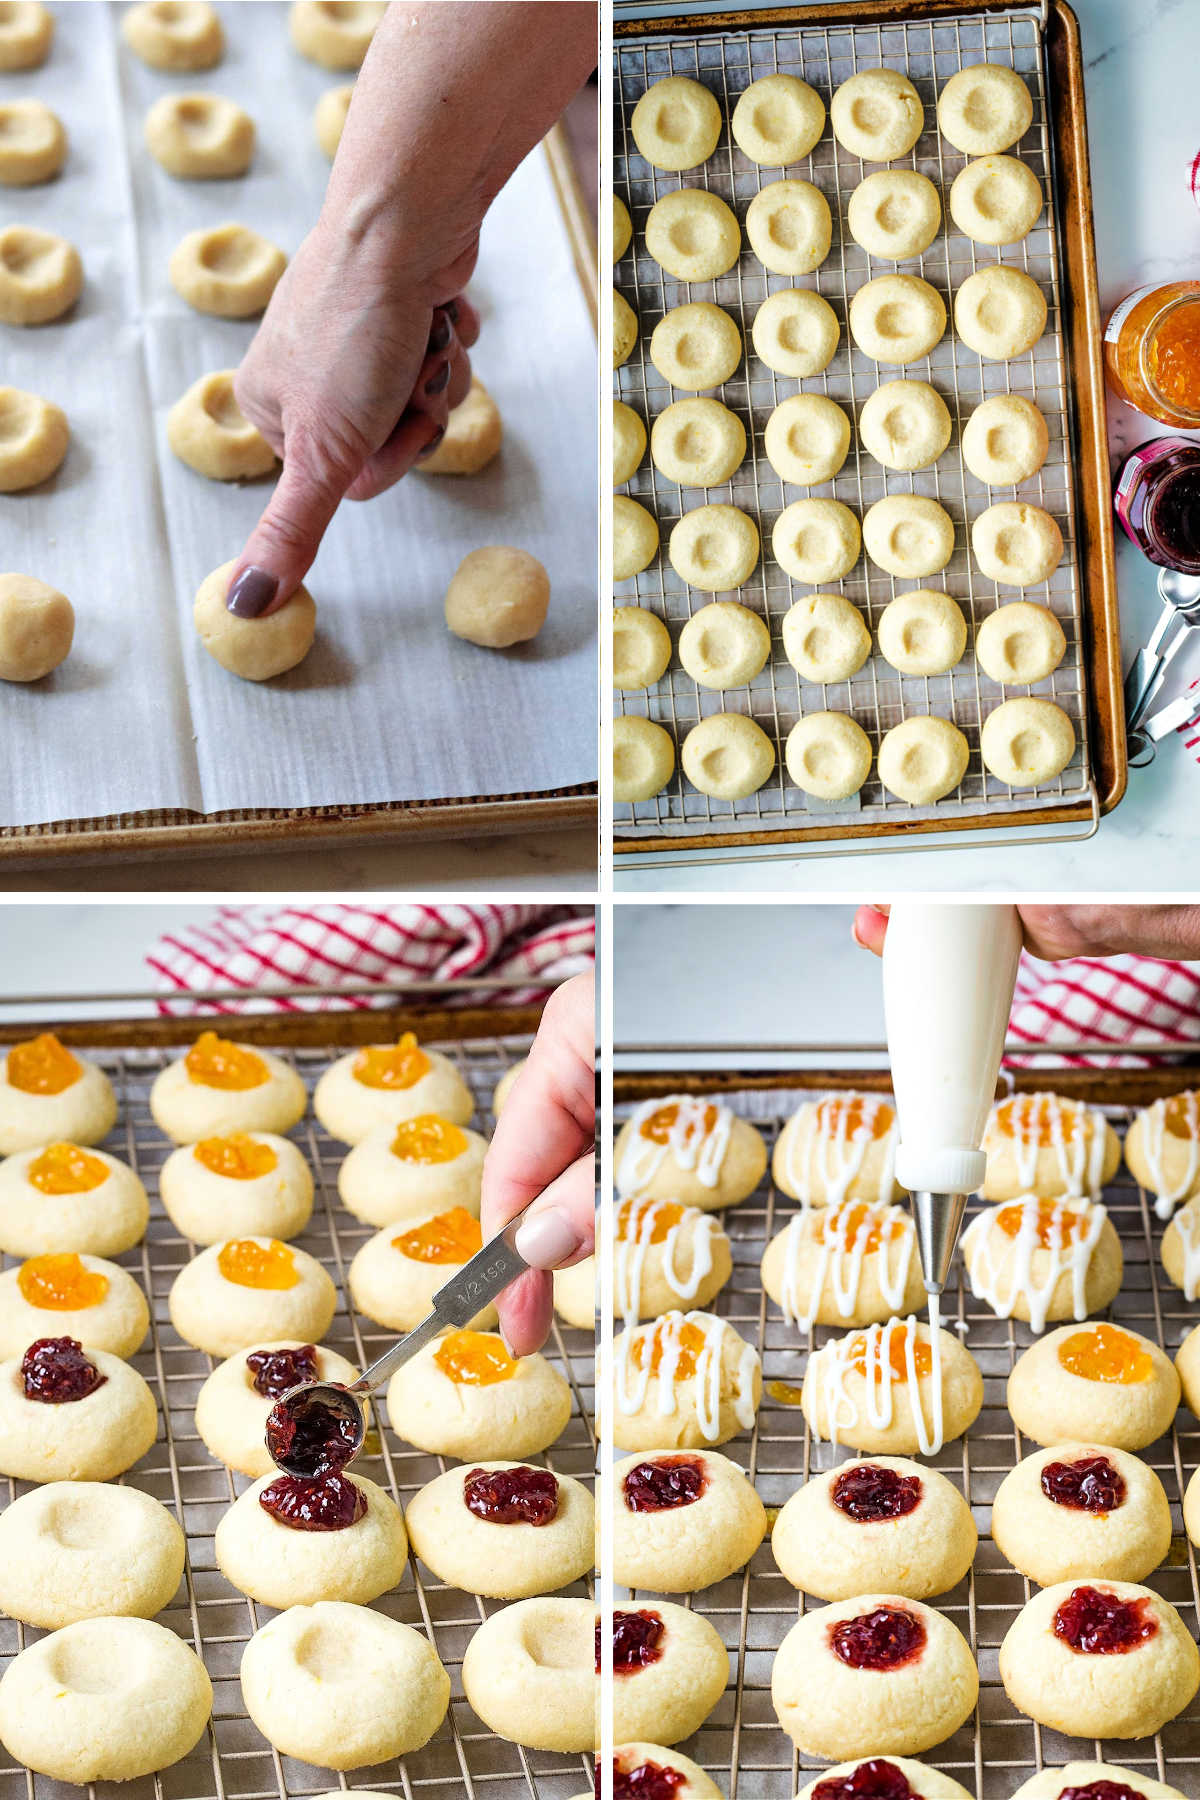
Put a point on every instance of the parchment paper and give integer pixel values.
(387, 706)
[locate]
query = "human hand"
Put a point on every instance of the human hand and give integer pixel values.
(1056, 932)
(545, 1140)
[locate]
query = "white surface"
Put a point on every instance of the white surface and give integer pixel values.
(72, 949)
(1140, 69)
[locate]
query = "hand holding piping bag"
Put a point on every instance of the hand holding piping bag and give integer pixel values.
(1055, 933)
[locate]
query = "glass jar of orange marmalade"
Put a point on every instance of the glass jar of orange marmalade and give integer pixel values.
(1152, 352)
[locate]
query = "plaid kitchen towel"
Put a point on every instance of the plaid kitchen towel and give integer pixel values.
(1104, 1000)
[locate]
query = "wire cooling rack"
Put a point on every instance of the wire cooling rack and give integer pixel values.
(741, 1745)
(233, 1761)
(878, 696)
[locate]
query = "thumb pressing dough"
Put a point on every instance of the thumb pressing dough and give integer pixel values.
(37, 624)
(207, 430)
(33, 439)
(497, 596)
(255, 649)
(472, 436)
(199, 136)
(33, 144)
(329, 119)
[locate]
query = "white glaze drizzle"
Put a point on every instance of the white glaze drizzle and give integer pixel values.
(839, 1153)
(841, 1264)
(637, 1220)
(1080, 1158)
(706, 1382)
(689, 1140)
(1154, 1139)
(1074, 1228)
(832, 1362)
(1185, 1224)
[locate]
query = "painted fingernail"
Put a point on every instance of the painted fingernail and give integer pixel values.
(547, 1239)
(439, 382)
(451, 311)
(252, 593)
(441, 331)
(429, 448)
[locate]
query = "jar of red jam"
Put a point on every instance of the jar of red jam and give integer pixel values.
(1157, 499)
(1152, 352)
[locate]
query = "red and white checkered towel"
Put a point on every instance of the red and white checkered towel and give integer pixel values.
(1104, 1000)
(272, 947)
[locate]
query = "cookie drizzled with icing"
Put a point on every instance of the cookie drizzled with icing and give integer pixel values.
(885, 1356)
(1032, 1123)
(694, 1131)
(843, 1129)
(844, 1235)
(1177, 1117)
(643, 1222)
(682, 1347)
(1067, 1231)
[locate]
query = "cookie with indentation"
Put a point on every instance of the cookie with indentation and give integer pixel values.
(696, 346)
(697, 443)
(904, 425)
(816, 540)
(1021, 642)
(796, 332)
(625, 330)
(850, 1264)
(674, 1693)
(1043, 1260)
(233, 1404)
(237, 1184)
(641, 648)
(622, 227)
(877, 1390)
(207, 430)
(1048, 1145)
(877, 115)
(929, 1784)
(895, 213)
(178, 35)
(676, 123)
(478, 1531)
(922, 632)
(406, 1171)
(227, 270)
(63, 1294)
(727, 756)
(909, 535)
(643, 758)
(691, 1784)
(777, 120)
(37, 627)
(1005, 440)
(279, 1564)
(1026, 742)
(249, 1289)
(395, 1274)
(715, 548)
(1080, 1509)
(629, 443)
(684, 1381)
(897, 319)
(47, 1094)
(693, 235)
(385, 1084)
(984, 108)
(33, 144)
(335, 33)
(923, 759)
(996, 200)
(34, 436)
(828, 755)
(101, 1428)
(697, 1153)
(665, 1253)
(789, 227)
(61, 1198)
(199, 137)
(825, 637)
(329, 117)
(1098, 1381)
(529, 1674)
(1092, 1779)
(41, 276)
(87, 1550)
(472, 437)
(635, 538)
(807, 438)
(840, 1148)
(220, 1086)
(724, 645)
(26, 34)
(1016, 544)
(682, 1520)
(463, 1395)
(999, 312)
(884, 1523)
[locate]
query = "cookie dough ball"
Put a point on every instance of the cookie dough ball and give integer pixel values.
(343, 1686)
(825, 638)
(529, 1674)
(65, 1199)
(727, 756)
(386, 1084)
(816, 540)
(1027, 742)
(635, 538)
(1021, 642)
(33, 144)
(777, 120)
(200, 136)
(836, 1149)
(72, 1415)
(1047, 1145)
(724, 645)
(892, 1388)
(641, 648)
(178, 35)
(806, 439)
(999, 312)
(48, 1093)
(908, 535)
(87, 1550)
(633, 1759)
(26, 34)
(897, 318)
(682, 1521)
(280, 1564)
(237, 1293)
(253, 649)
(622, 228)
(696, 346)
(796, 332)
(104, 1700)
(828, 755)
(888, 1524)
(922, 632)
(663, 1253)
(625, 330)
(1005, 440)
(220, 1087)
(228, 270)
(922, 760)
(395, 1274)
(37, 625)
(693, 235)
(1016, 544)
(697, 1152)
(472, 437)
(996, 200)
(1042, 1260)
(1058, 1665)
(674, 1694)
(1096, 1381)
(875, 1675)
(931, 1784)
(685, 1381)
(984, 108)
(676, 123)
(233, 1404)
(715, 548)
(504, 1529)
(463, 1395)
(905, 425)
(629, 443)
(329, 119)
(1091, 1779)
(207, 430)
(95, 1302)
(41, 276)
(242, 1183)
(852, 1264)
(1075, 1511)
(34, 435)
(697, 443)
(894, 214)
(643, 758)
(335, 33)
(413, 1170)
(877, 115)
(497, 596)
(789, 227)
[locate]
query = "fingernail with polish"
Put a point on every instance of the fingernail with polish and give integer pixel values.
(429, 448)
(439, 382)
(451, 311)
(252, 593)
(440, 331)
(547, 1239)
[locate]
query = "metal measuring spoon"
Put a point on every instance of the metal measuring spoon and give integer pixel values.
(1180, 595)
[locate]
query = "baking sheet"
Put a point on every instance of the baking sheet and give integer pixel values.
(387, 706)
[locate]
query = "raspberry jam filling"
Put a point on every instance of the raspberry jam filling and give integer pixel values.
(865, 1492)
(1089, 1485)
(648, 1781)
(55, 1371)
(330, 1504)
(637, 1641)
(1096, 1624)
(522, 1496)
(1101, 1790)
(311, 1436)
(664, 1484)
(873, 1780)
(277, 1372)
(887, 1637)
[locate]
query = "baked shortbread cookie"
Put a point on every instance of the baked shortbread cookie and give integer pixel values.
(1162, 1150)
(894, 213)
(922, 632)
(670, 1669)
(995, 200)
(789, 226)
(922, 759)
(1099, 1659)
(1074, 1511)
(663, 1253)
(920, 1782)
(693, 234)
(530, 1674)
(828, 754)
(885, 1524)
(643, 758)
(287, 1543)
(64, 1198)
(504, 1087)
(714, 548)
(877, 115)
(232, 1406)
(682, 1520)
(243, 1183)
(855, 1263)
(639, 1762)
(825, 638)
(385, 1084)
(840, 1148)
(83, 1297)
(1092, 1781)
(727, 756)
(1043, 1260)
(71, 1415)
(248, 1290)
(48, 1095)
(1181, 1249)
(795, 332)
(692, 1150)
(896, 319)
(629, 443)
(1047, 1145)
(816, 540)
(984, 108)
(904, 424)
(999, 312)
(908, 535)
(635, 538)
(1005, 440)
(464, 1395)
(625, 329)
(86, 1550)
(777, 120)
(1021, 641)
(406, 1171)
(676, 123)
(893, 1388)
(723, 645)
(396, 1273)
(1187, 1366)
(1096, 1381)
(683, 1382)
(876, 1675)
(220, 1087)
(575, 1294)
(504, 1529)
(696, 346)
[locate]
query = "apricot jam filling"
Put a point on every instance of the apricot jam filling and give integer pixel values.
(665, 1217)
(42, 1066)
(391, 1065)
(844, 1225)
(450, 1237)
(658, 1125)
(689, 1338)
(1041, 1119)
(214, 1062)
(254, 1265)
(428, 1139)
(474, 1359)
(897, 1356)
(61, 1283)
(1175, 1115)
(1106, 1353)
(839, 1114)
(236, 1157)
(66, 1169)
(1073, 1226)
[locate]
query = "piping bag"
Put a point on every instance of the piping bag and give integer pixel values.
(948, 977)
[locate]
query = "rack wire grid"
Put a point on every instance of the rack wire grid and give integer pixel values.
(233, 1761)
(877, 696)
(742, 1745)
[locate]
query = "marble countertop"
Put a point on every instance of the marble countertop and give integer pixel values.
(1140, 60)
